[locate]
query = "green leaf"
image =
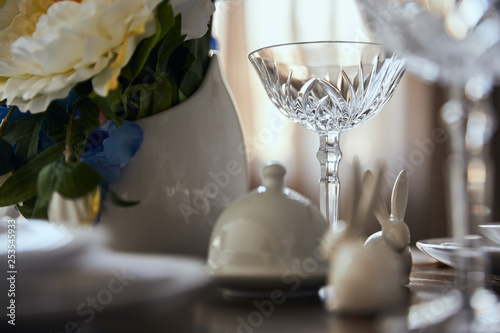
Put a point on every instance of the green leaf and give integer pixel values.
(32, 142)
(45, 185)
(164, 17)
(27, 207)
(109, 104)
(21, 185)
(154, 88)
(57, 120)
(115, 200)
(7, 157)
(89, 115)
(74, 180)
(39, 211)
(162, 99)
(146, 97)
(169, 44)
(24, 133)
(197, 70)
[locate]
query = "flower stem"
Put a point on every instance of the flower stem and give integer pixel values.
(68, 152)
(6, 119)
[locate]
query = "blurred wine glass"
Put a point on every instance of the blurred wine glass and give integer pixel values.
(455, 43)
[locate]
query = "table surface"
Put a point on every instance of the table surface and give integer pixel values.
(211, 312)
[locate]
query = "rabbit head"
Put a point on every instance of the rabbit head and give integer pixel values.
(396, 234)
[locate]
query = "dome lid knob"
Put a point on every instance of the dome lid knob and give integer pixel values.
(273, 175)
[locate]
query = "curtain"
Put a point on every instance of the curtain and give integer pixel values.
(403, 135)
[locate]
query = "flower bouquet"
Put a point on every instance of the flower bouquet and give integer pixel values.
(73, 77)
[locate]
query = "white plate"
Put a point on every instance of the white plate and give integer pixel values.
(443, 249)
(39, 244)
(247, 283)
(113, 280)
(57, 269)
(492, 231)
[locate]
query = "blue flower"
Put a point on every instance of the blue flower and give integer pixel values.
(109, 148)
(95, 147)
(214, 44)
(4, 109)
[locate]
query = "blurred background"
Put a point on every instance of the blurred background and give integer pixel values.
(406, 134)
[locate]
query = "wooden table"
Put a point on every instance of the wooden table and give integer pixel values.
(213, 313)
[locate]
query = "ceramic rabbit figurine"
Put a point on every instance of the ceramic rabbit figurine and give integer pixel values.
(395, 234)
(361, 280)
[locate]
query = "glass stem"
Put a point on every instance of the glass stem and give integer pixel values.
(329, 156)
(453, 114)
(469, 125)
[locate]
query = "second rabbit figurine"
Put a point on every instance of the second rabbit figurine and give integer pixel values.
(395, 234)
(360, 280)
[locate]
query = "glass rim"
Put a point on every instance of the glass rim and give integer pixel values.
(252, 54)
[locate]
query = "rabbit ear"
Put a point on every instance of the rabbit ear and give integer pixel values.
(399, 197)
(380, 210)
(364, 206)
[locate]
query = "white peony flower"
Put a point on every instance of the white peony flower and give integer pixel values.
(50, 46)
(195, 16)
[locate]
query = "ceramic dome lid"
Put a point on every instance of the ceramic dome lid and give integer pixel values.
(266, 232)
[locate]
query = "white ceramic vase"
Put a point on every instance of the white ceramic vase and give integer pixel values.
(190, 166)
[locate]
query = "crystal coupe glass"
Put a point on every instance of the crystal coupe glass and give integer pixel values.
(328, 87)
